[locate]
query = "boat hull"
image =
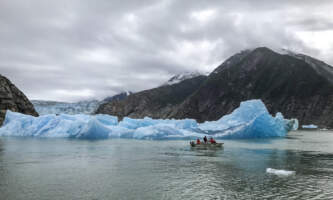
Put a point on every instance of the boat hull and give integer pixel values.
(207, 145)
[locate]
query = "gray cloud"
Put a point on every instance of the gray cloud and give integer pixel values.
(70, 50)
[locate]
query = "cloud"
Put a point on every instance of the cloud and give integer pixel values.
(70, 50)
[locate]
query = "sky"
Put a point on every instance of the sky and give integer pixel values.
(71, 50)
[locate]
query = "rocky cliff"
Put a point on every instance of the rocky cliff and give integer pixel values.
(13, 99)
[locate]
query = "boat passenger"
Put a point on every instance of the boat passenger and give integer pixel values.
(198, 141)
(205, 139)
(212, 141)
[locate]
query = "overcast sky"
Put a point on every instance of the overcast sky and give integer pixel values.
(71, 50)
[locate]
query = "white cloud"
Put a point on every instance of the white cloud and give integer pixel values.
(84, 49)
(203, 15)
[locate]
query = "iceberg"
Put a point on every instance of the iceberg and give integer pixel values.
(280, 172)
(250, 120)
(310, 126)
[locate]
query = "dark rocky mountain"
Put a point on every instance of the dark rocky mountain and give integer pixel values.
(156, 103)
(13, 99)
(297, 85)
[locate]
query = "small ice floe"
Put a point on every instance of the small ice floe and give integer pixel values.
(310, 126)
(280, 172)
(324, 129)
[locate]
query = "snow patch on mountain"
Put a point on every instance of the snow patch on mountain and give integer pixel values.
(184, 76)
(119, 96)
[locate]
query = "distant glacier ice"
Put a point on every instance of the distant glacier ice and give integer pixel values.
(250, 120)
(53, 107)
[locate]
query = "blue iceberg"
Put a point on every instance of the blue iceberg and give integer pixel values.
(310, 126)
(250, 120)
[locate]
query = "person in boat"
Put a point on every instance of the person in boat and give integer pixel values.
(198, 141)
(205, 139)
(212, 141)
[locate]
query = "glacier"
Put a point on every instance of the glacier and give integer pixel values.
(82, 107)
(250, 120)
(53, 107)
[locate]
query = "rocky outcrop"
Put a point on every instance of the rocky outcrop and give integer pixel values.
(156, 103)
(11, 98)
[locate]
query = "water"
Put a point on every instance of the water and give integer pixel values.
(35, 169)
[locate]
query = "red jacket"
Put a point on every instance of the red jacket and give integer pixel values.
(212, 141)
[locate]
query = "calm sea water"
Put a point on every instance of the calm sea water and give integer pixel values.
(35, 169)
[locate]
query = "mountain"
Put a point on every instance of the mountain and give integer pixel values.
(11, 98)
(81, 107)
(296, 85)
(157, 103)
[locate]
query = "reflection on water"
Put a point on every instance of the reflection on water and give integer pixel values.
(134, 169)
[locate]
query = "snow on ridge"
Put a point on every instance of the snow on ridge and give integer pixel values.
(184, 76)
(284, 51)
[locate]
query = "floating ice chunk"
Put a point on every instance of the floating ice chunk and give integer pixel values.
(280, 172)
(250, 120)
(310, 126)
(293, 123)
